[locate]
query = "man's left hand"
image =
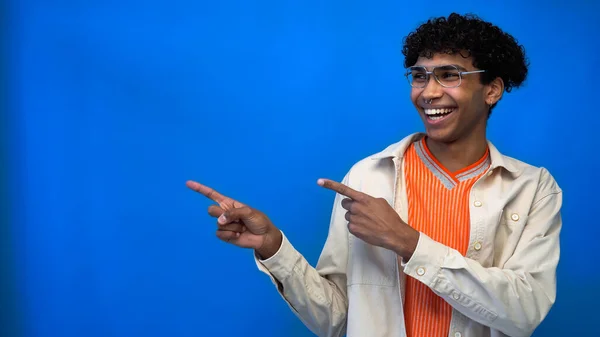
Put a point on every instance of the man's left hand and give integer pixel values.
(374, 221)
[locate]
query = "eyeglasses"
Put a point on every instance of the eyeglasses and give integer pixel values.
(448, 76)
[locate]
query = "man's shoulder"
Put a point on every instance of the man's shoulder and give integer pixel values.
(541, 174)
(520, 165)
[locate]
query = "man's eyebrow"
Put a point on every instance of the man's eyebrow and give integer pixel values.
(461, 68)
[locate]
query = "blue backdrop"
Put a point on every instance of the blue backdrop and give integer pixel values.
(110, 106)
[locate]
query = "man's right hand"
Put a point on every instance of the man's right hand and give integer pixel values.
(239, 224)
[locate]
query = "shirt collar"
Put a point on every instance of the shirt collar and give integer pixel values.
(398, 149)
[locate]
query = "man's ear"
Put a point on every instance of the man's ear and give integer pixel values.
(494, 91)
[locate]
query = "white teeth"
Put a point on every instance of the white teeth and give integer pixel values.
(431, 112)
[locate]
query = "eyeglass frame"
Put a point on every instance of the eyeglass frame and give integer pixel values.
(429, 73)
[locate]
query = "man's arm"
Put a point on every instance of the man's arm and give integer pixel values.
(317, 296)
(513, 299)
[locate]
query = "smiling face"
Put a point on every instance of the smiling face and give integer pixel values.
(454, 114)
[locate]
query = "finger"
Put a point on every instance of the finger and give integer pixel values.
(206, 191)
(235, 214)
(348, 216)
(341, 189)
(354, 229)
(355, 219)
(347, 204)
(233, 227)
(215, 211)
(228, 236)
(213, 194)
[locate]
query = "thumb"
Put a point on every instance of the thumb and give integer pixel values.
(235, 215)
(215, 211)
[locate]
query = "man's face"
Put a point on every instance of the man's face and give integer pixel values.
(450, 114)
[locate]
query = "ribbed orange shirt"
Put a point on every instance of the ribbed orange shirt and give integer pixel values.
(438, 205)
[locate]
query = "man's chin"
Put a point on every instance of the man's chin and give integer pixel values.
(440, 136)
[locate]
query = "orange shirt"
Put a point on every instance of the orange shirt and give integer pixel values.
(438, 205)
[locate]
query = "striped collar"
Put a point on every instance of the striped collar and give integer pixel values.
(447, 178)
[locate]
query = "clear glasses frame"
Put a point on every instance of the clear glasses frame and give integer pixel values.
(451, 75)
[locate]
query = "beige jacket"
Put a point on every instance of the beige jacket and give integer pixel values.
(504, 286)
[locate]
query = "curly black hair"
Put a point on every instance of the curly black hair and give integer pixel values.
(492, 49)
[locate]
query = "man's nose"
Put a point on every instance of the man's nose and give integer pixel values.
(432, 89)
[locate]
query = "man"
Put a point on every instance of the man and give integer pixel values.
(437, 235)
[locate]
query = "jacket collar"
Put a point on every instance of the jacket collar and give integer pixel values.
(397, 150)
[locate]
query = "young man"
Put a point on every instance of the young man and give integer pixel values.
(438, 234)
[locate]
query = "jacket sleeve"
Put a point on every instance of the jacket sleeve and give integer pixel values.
(513, 299)
(317, 296)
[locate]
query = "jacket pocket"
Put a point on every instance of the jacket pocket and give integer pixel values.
(371, 265)
(509, 230)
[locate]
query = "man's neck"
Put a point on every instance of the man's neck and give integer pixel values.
(458, 154)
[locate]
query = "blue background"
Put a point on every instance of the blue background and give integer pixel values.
(108, 107)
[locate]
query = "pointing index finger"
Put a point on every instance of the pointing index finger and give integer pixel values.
(341, 189)
(206, 191)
